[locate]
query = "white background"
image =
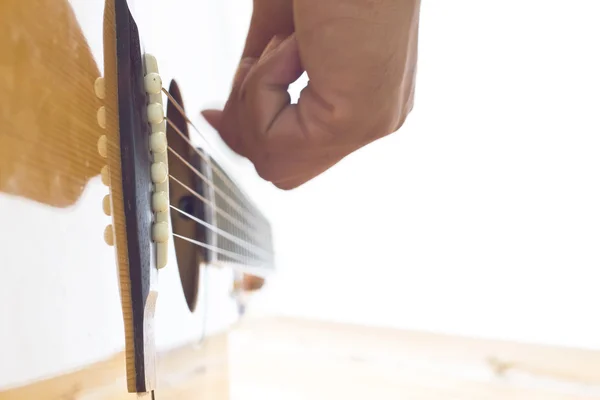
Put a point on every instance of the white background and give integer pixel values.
(481, 216)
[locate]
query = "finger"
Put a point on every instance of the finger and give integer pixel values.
(299, 173)
(264, 92)
(226, 122)
(292, 165)
(242, 71)
(213, 117)
(282, 150)
(273, 44)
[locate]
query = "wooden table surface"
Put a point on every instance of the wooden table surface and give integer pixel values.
(280, 358)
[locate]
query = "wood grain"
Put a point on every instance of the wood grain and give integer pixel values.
(192, 372)
(48, 115)
(116, 189)
(281, 358)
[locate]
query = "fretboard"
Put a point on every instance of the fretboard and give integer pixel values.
(243, 234)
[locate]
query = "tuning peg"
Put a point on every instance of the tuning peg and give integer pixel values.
(153, 83)
(159, 170)
(99, 88)
(160, 202)
(160, 232)
(101, 117)
(103, 146)
(106, 205)
(104, 175)
(109, 236)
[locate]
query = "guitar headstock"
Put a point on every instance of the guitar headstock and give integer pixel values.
(136, 173)
(83, 101)
(163, 187)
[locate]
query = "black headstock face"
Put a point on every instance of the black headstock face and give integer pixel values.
(163, 187)
(135, 149)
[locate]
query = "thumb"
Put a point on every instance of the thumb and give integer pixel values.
(213, 117)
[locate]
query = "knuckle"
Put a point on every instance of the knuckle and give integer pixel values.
(285, 185)
(251, 83)
(263, 169)
(355, 120)
(267, 169)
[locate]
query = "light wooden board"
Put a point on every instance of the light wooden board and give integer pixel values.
(296, 359)
(196, 371)
(279, 358)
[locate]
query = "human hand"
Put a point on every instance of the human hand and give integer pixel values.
(360, 57)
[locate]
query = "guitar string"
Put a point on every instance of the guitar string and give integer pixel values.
(220, 211)
(226, 198)
(248, 229)
(226, 179)
(216, 249)
(182, 112)
(230, 184)
(223, 233)
(203, 199)
(241, 265)
(202, 176)
(236, 190)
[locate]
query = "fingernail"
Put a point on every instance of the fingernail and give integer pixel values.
(212, 117)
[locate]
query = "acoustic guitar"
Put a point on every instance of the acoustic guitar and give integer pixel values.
(101, 164)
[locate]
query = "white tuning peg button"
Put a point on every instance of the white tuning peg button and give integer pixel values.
(155, 113)
(160, 232)
(153, 83)
(160, 202)
(158, 142)
(159, 172)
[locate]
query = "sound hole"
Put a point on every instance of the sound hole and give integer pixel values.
(189, 256)
(186, 203)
